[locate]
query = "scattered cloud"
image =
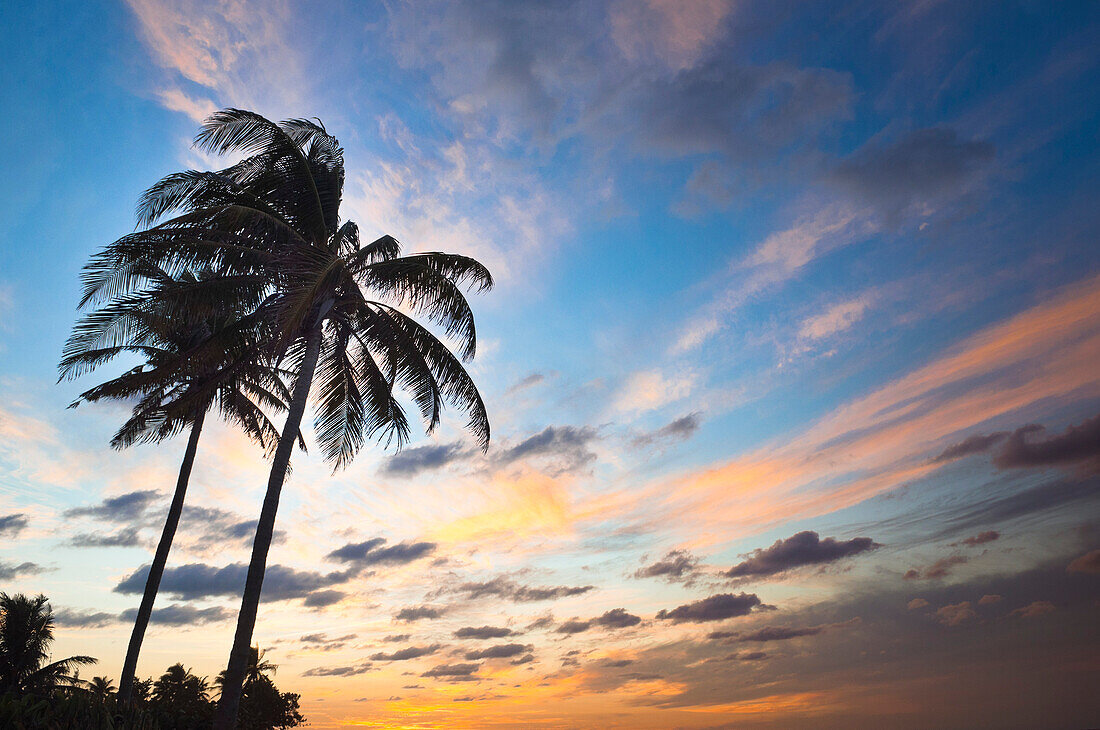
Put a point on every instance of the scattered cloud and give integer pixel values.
(500, 651)
(939, 569)
(801, 549)
(11, 571)
(715, 608)
(482, 632)
(1035, 609)
(679, 429)
(198, 580)
(123, 538)
(371, 553)
(676, 565)
(452, 670)
(344, 671)
(652, 389)
(1077, 445)
(976, 444)
(409, 652)
(418, 613)
(982, 538)
(84, 619)
(956, 614)
(13, 524)
(183, 615)
(127, 507)
(410, 462)
(502, 587)
(1087, 563)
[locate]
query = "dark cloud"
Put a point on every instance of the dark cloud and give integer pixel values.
(803, 548)
(1035, 609)
(924, 167)
(321, 599)
(680, 429)
(11, 571)
(393, 638)
(371, 552)
(714, 608)
(123, 508)
(752, 656)
(502, 587)
(183, 615)
(939, 569)
(409, 652)
(975, 444)
(123, 538)
(1076, 445)
(955, 614)
(11, 525)
(746, 113)
(616, 663)
(617, 618)
(675, 565)
(483, 632)
(500, 651)
(1058, 494)
(544, 622)
(348, 671)
(198, 580)
(574, 626)
(775, 633)
(411, 462)
(982, 538)
(326, 643)
(84, 619)
(416, 613)
(452, 670)
(525, 659)
(565, 447)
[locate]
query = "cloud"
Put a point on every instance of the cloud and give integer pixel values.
(345, 671)
(803, 548)
(939, 569)
(1087, 563)
(779, 633)
(13, 524)
(392, 638)
(989, 599)
(84, 619)
(183, 615)
(482, 632)
(452, 670)
(916, 603)
(982, 538)
(679, 429)
(326, 643)
(714, 608)
(11, 571)
(500, 651)
(616, 618)
(123, 508)
(573, 626)
(567, 447)
(502, 587)
(835, 319)
(123, 538)
(409, 652)
(675, 34)
(410, 462)
(528, 381)
(371, 552)
(675, 565)
(915, 174)
(975, 444)
(1035, 610)
(956, 614)
(175, 100)
(1076, 445)
(198, 580)
(649, 390)
(320, 599)
(417, 613)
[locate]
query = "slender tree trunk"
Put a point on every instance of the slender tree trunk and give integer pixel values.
(226, 717)
(160, 558)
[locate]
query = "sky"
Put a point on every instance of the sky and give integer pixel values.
(790, 364)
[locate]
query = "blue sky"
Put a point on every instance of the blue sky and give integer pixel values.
(762, 269)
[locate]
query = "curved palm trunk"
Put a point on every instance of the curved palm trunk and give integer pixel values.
(226, 717)
(160, 558)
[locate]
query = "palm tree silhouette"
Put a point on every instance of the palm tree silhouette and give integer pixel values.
(275, 216)
(26, 632)
(182, 696)
(197, 356)
(101, 688)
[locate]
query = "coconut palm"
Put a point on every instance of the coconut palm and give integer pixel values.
(101, 688)
(26, 632)
(196, 357)
(181, 699)
(340, 310)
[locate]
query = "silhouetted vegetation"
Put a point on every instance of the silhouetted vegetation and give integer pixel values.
(41, 695)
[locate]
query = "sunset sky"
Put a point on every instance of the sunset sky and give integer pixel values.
(793, 361)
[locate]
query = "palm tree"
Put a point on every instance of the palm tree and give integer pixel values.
(101, 688)
(26, 632)
(196, 357)
(181, 698)
(333, 303)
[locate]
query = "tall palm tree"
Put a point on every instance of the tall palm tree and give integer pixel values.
(26, 632)
(181, 699)
(197, 356)
(335, 304)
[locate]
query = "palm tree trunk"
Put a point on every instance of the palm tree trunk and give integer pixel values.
(226, 717)
(160, 558)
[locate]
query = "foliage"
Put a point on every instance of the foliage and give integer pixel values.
(181, 700)
(73, 711)
(26, 633)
